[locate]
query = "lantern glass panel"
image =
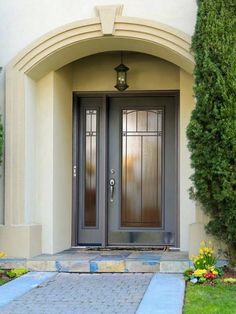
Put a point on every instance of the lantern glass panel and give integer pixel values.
(121, 77)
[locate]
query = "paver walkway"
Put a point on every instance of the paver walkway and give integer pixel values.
(68, 293)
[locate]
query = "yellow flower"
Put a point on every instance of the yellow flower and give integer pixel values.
(230, 280)
(2, 254)
(199, 272)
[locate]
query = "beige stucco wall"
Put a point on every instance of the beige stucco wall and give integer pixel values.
(54, 159)
(35, 18)
(44, 189)
(62, 160)
(187, 206)
(47, 212)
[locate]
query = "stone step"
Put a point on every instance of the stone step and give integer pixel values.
(104, 261)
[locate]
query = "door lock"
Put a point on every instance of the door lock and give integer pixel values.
(112, 183)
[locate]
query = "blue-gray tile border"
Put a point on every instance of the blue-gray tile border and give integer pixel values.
(21, 285)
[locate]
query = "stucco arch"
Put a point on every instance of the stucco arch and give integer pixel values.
(74, 41)
(54, 50)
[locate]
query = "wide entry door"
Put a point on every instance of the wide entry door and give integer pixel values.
(142, 200)
(126, 156)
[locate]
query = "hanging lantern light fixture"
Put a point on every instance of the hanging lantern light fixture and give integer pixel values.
(121, 75)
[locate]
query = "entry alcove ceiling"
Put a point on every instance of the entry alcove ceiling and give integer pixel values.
(146, 72)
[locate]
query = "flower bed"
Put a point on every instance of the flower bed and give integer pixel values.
(205, 268)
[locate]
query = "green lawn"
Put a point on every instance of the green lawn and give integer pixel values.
(206, 299)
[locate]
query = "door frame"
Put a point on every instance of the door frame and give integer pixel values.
(75, 156)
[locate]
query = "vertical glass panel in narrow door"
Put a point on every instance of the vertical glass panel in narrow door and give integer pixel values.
(90, 204)
(89, 231)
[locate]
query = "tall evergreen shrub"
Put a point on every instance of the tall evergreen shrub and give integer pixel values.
(212, 128)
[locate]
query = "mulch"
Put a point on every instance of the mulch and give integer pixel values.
(229, 272)
(3, 276)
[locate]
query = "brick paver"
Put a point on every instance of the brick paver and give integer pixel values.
(69, 293)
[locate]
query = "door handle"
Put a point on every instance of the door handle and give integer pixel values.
(112, 183)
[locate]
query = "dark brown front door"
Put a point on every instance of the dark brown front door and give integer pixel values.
(127, 165)
(142, 164)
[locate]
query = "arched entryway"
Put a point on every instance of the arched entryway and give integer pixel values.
(35, 208)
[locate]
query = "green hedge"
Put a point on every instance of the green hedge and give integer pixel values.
(212, 128)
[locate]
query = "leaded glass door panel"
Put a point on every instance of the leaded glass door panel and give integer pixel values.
(89, 171)
(142, 198)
